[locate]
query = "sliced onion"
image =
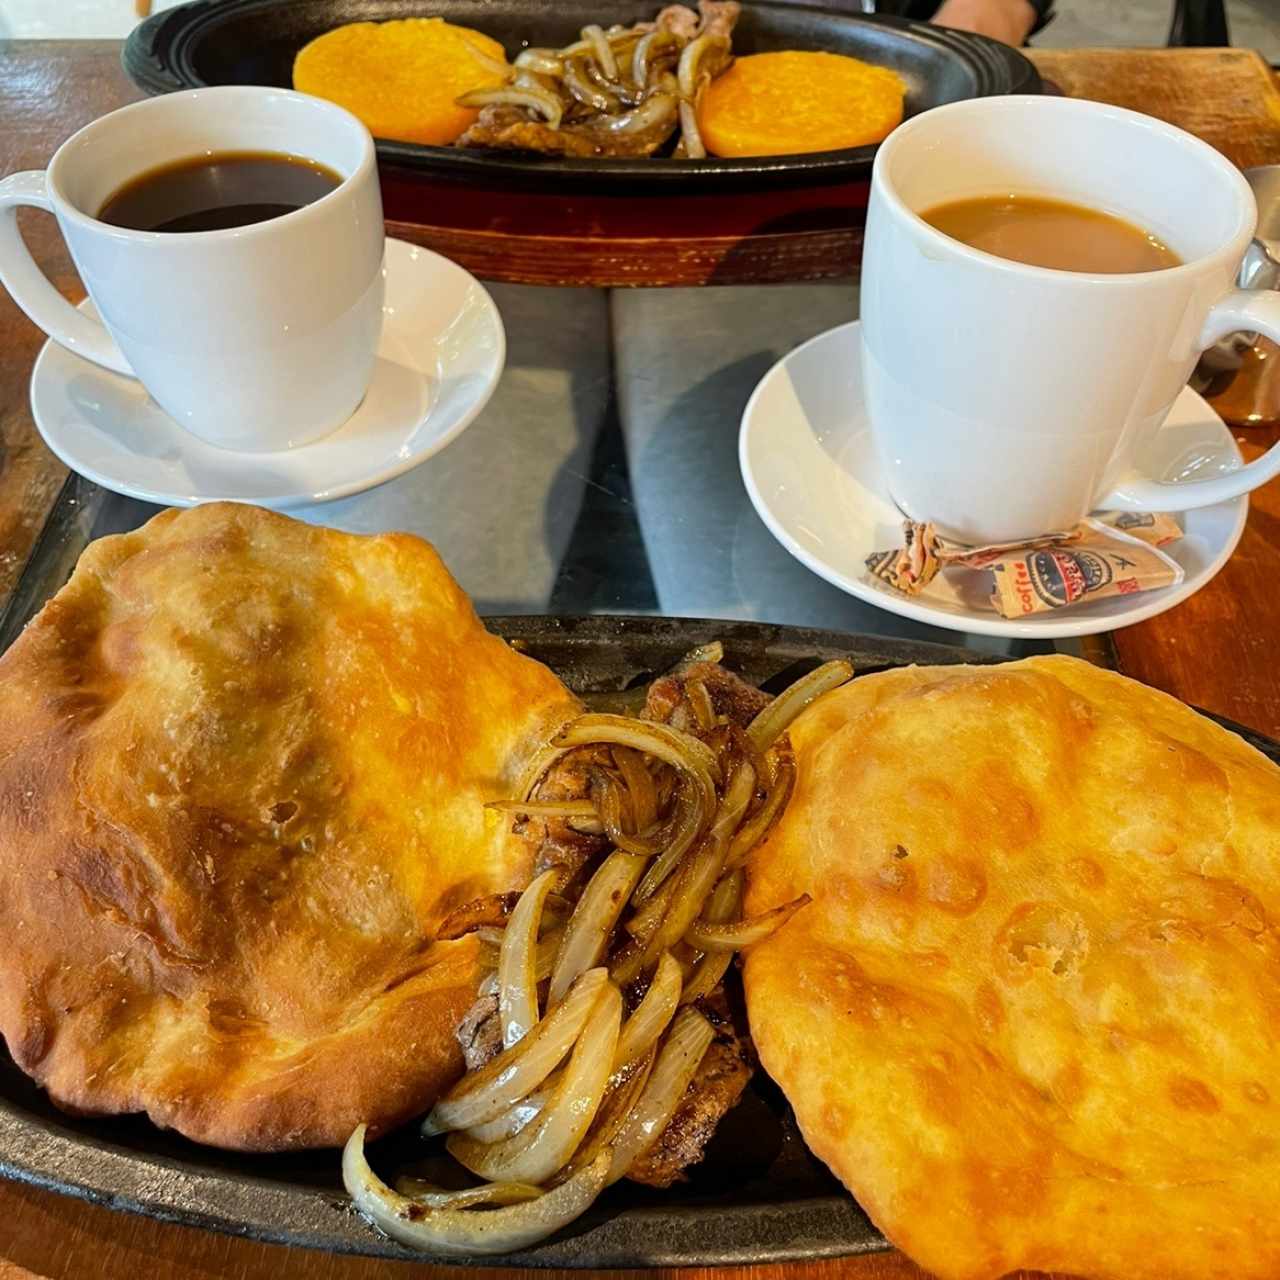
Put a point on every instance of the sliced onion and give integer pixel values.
(497, 66)
(626, 1088)
(736, 799)
(434, 1197)
(698, 875)
(640, 1032)
(545, 808)
(694, 882)
(649, 916)
(463, 1232)
(712, 651)
(735, 935)
(689, 1038)
(545, 62)
(724, 904)
(640, 788)
(737, 796)
(584, 91)
(549, 1141)
(691, 59)
(544, 956)
(531, 99)
(602, 50)
(754, 830)
(511, 1121)
(658, 109)
(518, 963)
(650, 44)
(609, 796)
(690, 134)
(587, 934)
(776, 718)
(680, 749)
(515, 1073)
(700, 700)
(536, 769)
(692, 815)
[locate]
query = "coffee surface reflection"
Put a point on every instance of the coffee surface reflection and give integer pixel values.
(215, 192)
(1043, 232)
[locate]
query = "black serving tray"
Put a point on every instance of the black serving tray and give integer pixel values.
(758, 1197)
(208, 42)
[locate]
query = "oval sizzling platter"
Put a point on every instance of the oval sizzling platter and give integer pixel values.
(757, 1197)
(531, 219)
(209, 42)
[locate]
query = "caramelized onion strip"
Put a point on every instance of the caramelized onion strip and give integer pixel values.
(497, 1193)
(724, 904)
(700, 700)
(626, 1088)
(546, 62)
(733, 936)
(601, 50)
(516, 1072)
(463, 1233)
(689, 1038)
(536, 769)
(649, 916)
(737, 797)
(496, 66)
(546, 104)
(647, 48)
(712, 651)
(777, 717)
(511, 1121)
(689, 68)
(692, 815)
(545, 808)
(518, 961)
(640, 1032)
(609, 796)
(587, 934)
(756, 827)
(548, 1142)
(584, 91)
(682, 750)
(640, 788)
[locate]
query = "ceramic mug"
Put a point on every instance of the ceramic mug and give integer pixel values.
(258, 337)
(1007, 400)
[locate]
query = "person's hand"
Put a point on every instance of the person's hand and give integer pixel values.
(1007, 20)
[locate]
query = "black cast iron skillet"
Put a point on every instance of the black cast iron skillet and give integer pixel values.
(210, 42)
(759, 1196)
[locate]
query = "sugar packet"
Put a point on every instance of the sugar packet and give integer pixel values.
(1115, 553)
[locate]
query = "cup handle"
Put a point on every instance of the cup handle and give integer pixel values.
(1252, 310)
(33, 293)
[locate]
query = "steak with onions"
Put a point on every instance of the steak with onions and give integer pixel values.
(727, 1066)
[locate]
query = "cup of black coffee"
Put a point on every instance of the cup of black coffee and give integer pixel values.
(231, 240)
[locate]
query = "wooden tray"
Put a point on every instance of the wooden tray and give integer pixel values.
(539, 220)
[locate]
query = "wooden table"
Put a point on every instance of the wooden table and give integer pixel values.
(1217, 650)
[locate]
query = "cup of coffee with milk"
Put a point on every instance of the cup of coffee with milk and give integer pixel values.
(1040, 276)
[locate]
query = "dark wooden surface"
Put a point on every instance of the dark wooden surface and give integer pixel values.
(1217, 650)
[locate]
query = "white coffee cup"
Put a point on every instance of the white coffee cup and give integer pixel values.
(254, 338)
(1008, 400)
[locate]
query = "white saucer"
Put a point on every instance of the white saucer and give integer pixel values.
(812, 475)
(440, 357)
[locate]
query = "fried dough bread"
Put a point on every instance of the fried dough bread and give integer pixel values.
(243, 769)
(1031, 1017)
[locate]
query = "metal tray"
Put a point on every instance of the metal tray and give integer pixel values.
(208, 42)
(758, 1197)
